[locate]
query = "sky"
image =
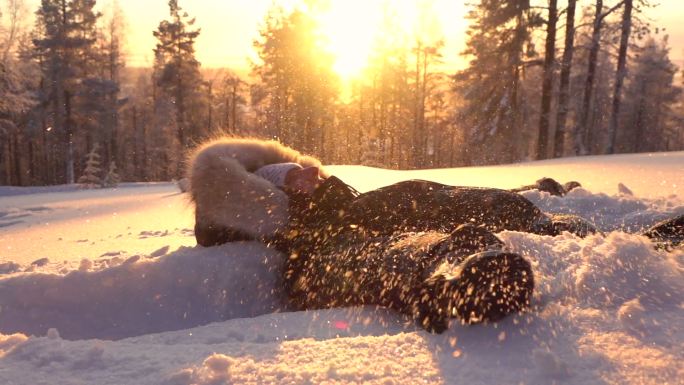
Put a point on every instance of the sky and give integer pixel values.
(229, 27)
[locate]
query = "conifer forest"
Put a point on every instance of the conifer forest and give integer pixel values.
(540, 79)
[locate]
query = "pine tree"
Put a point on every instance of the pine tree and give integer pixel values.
(547, 82)
(99, 98)
(426, 56)
(391, 104)
(16, 99)
(564, 83)
(235, 103)
(630, 21)
(65, 48)
(498, 43)
(112, 179)
(583, 129)
(649, 98)
(620, 73)
(90, 177)
(296, 73)
(177, 74)
(589, 137)
(17, 96)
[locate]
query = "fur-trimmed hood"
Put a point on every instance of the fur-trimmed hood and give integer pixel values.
(228, 197)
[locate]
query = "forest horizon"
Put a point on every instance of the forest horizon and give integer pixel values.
(230, 27)
(402, 85)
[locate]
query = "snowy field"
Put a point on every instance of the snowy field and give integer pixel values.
(108, 287)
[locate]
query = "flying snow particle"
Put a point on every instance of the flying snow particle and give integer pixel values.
(53, 334)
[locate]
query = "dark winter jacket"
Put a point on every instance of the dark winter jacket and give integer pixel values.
(405, 246)
(416, 205)
(429, 276)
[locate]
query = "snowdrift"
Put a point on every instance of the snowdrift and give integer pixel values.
(608, 308)
(137, 296)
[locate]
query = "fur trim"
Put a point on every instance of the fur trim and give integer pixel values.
(229, 196)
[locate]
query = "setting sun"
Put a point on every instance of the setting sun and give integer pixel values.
(351, 47)
(353, 28)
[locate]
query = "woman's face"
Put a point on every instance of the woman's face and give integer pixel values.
(304, 180)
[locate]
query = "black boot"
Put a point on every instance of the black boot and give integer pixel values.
(485, 287)
(667, 234)
(472, 279)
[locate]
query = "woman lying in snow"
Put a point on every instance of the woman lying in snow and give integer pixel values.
(420, 247)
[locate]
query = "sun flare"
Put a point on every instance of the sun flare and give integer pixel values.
(352, 28)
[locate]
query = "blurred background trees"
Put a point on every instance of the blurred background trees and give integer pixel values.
(541, 79)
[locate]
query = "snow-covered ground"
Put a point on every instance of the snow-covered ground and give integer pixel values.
(68, 224)
(107, 287)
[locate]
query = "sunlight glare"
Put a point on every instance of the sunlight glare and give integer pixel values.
(352, 28)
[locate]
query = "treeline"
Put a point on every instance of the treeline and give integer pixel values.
(608, 88)
(548, 79)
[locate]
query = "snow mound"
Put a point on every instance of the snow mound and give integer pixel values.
(180, 290)
(300, 362)
(608, 213)
(601, 272)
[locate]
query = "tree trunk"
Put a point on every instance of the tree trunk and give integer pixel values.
(417, 139)
(636, 146)
(69, 139)
(360, 135)
(423, 98)
(31, 163)
(210, 111)
(137, 153)
(9, 160)
(452, 146)
(16, 160)
(582, 128)
(547, 95)
(515, 128)
(620, 74)
(47, 175)
(564, 87)
(233, 111)
(145, 156)
(4, 163)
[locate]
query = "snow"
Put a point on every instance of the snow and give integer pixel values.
(115, 298)
(107, 286)
(610, 212)
(71, 224)
(648, 175)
